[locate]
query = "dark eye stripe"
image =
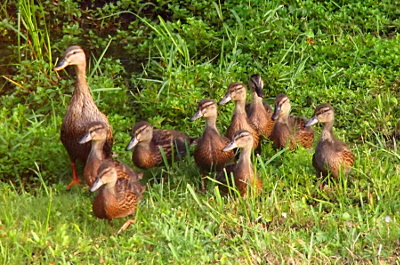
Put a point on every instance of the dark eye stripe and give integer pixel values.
(323, 111)
(283, 101)
(238, 88)
(140, 130)
(105, 171)
(206, 106)
(74, 52)
(99, 127)
(242, 135)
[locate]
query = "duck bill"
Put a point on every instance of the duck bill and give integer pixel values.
(276, 113)
(196, 116)
(230, 146)
(132, 143)
(96, 185)
(257, 84)
(225, 99)
(311, 122)
(259, 91)
(61, 65)
(86, 138)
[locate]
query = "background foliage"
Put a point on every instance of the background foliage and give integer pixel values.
(154, 60)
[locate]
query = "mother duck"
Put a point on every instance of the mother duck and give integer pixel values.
(80, 113)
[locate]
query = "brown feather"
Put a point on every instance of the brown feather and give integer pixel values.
(98, 134)
(289, 130)
(81, 111)
(243, 171)
(240, 121)
(332, 155)
(208, 153)
(118, 197)
(147, 154)
(259, 112)
(260, 117)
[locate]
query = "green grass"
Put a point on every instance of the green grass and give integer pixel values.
(156, 65)
(175, 223)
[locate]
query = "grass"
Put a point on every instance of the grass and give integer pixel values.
(156, 66)
(293, 221)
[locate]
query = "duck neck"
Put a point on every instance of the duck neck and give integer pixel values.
(211, 122)
(256, 98)
(245, 157)
(284, 118)
(110, 187)
(81, 86)
(327, 131)
(147, 145)
(240, 106)
(97, 150)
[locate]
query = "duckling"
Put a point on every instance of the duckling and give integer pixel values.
(289, 129)
(259, 112)
(244, 170)
(81, 111)
(331, 156)
(97, 134)
(119, 193)
(147, 143)
(208, 154)
(239, 121)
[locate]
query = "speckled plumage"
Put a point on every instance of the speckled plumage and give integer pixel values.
(239, 121)
(81, 111)
(208, 153)
(289, 130)
(119, 192)
(331, 154)
(97, 135)
(147, 143)
(243, 171)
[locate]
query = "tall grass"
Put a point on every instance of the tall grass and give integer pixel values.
(32, 31)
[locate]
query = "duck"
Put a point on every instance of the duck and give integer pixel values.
(243, 170)
(82, 110)
(289, 130)
(332, 156)
(97, 134)
(259, 112)
(239, 121)
(208, 153)
(119, 192)
(146, 143)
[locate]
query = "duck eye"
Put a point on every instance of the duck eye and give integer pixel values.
(104, 172)
(323, 111)
(238, 88)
